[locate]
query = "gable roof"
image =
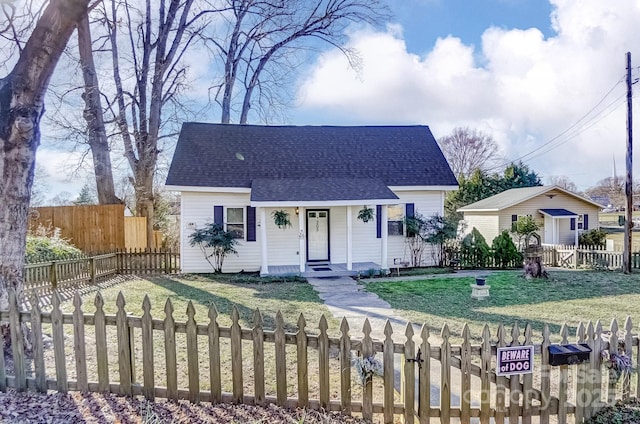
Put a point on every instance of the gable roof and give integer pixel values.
(514, 196)
(225, 155)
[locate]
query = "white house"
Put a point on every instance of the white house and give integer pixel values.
(238, 175)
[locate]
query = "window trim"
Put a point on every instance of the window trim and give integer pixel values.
(244, 221)
(402, 208)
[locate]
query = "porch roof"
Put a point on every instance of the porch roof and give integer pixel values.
(559, 213)
(304, 191)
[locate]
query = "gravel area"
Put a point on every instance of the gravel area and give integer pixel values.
(74, 407)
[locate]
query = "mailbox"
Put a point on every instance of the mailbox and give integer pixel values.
(569, 354)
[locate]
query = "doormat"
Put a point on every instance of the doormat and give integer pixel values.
(324, 268)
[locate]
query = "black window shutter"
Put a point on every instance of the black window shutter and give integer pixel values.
(251, 223)
(573, 223)
(378, 221)
(586, 222)
(410, 210)
(217, 215)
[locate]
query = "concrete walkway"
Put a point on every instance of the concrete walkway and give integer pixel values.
(344, 297)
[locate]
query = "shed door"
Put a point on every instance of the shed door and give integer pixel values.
(317, 235)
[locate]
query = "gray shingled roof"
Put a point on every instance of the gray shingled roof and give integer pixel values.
(225, 155)
(318, 189)
(514, 196)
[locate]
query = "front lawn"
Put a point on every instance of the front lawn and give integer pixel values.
(567, 296)
(225, 291)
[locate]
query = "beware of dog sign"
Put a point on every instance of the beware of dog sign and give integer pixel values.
(515, 360)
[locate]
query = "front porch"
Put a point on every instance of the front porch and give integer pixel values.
(323, 269)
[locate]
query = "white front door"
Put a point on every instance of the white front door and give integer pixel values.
(317, 235)
(549, 230)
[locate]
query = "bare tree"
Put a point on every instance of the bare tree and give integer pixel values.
(563, 181)
(467, 150)
(264, 34)
(156, 36)
(93, 114)
(21, 107)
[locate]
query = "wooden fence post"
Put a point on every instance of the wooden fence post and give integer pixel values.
(388, 373)
(148, 366)
(213, 331)
(258, 357)
(79, 344)
(17, 342)
(236, 356)
(101, 344)
(367, 352)
(323, 363)
(124, 347)
(170, 350)
(514, 380)
(281, 360)
(501, 382)
(445, 376)
(465, 375)
(563, 383)
(545, 376)
(192, 354)
(38, 346)
(345, 368)
(57, 330)
(303, 373)
(424, 408)
(485, 374)
(53, 276)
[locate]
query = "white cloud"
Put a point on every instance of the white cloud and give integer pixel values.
(522, 88)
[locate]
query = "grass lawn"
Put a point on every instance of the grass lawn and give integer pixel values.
(290, 297)
(567, 296)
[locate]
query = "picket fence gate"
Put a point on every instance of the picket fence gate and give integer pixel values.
(467, 371)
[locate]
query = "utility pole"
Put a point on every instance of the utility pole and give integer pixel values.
(628, 187)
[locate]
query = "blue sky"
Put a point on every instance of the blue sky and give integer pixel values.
(426, 20)
(544, 78)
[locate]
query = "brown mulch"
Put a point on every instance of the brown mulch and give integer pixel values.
(75, 407)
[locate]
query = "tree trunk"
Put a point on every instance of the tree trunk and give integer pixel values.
(96, 132)
(144, 199)
(21, 107)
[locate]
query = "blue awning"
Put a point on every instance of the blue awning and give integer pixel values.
(558, 213)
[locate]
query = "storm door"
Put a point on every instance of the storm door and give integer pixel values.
(317, 235)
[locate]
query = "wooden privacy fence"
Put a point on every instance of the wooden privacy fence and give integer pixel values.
(69, 273)
(200, 360)
(581, 257)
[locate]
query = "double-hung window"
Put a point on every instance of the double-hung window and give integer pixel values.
(395, 220)
(235, 222)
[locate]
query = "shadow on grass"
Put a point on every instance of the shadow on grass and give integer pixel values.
(224, 305)
(450, 297)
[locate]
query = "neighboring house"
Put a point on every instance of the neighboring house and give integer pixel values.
(563, 215)
(238, 175)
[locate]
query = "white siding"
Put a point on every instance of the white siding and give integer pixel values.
(197, 210)
(486, 223)
(427, 204)
(553, 199)
(283, 244)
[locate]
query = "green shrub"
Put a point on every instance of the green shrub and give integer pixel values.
(505, 252)
(595, 237)
(475, 250)
(48, 245)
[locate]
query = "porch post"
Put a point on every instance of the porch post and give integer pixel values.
(349, 238)
(554, 230)
(384, 236)
(302, 251)
(575, 234)
(264, 268)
